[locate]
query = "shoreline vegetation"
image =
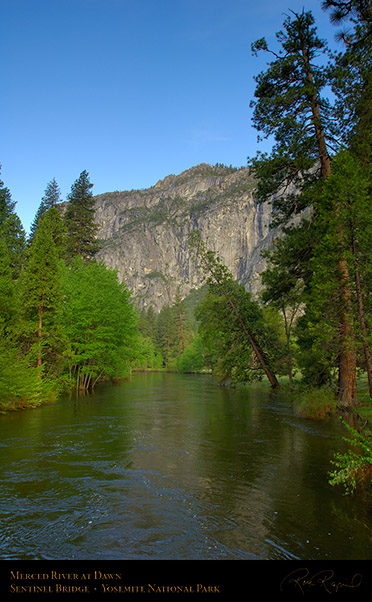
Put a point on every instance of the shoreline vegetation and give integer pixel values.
(67, 323)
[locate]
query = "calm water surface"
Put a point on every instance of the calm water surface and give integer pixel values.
(174, 467)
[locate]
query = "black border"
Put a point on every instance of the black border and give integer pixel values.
(153, 580)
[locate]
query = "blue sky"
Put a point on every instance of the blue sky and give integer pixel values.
(130, 90)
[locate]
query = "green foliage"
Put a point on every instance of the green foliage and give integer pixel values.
(147, 322)
(357, 10)
(40, 297)
(223, 336)
(52, 196)
(60, 324)
(194, 358)
(154, 275)
(290, 107)
(14, 235)
(343, 228)
(11, 231)
(79, 217)
(173, 332)
(230, 311)
(21, 385)
(7, 205)
(302, 172)
(317, 350)
(285, 283)
(168, 338)
(316, 403)
(148, 357)
(7, 289)
(283, 347)
(353, 468)
(351, 73)
(99, 322)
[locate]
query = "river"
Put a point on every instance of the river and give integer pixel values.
(169, 466)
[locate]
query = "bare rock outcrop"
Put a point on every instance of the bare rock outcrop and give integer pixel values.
(144, 233)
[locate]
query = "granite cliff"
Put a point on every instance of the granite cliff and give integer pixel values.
(144, 233)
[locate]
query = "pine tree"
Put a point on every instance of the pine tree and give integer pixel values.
(40, 296)
(352, 74)
(7, 205)
(355, 10)
(183, 319)
(352, 85)
(173, 331)
(79, 218)
(349, 190)
(11, 230)
(290, 107)
(52, 196)
(7, 289)
(147, 323)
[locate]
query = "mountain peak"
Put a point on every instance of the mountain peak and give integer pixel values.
(202, 169)
(144, 234)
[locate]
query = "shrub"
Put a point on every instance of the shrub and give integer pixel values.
(316, 404)
(352, 469)
(21, 383)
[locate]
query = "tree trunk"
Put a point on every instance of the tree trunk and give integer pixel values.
(254, 345)
(361, 316)
(347, 363)
(347, 366)
(39, 332)
(288, 341)
(181, 331)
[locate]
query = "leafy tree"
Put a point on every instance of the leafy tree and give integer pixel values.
(284, 284)
(99, 322)
(352, 468)
(194, 358)
(148, 356)
(19, 381)
(230, 310)
(79, 217)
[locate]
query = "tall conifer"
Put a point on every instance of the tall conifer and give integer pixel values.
(40, 295)
(11, 230)
(79, 218)
(290, 107)
(52, 196)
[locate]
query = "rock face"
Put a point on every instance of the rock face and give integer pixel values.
(145, 233)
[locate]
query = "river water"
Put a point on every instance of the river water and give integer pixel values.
(169, 466)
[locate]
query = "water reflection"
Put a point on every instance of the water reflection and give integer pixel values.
(174, 467)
